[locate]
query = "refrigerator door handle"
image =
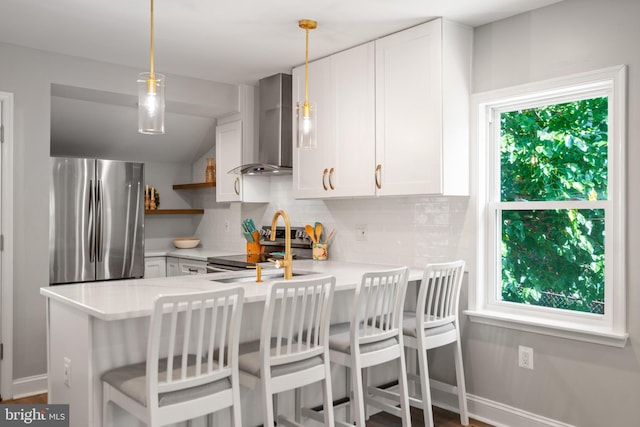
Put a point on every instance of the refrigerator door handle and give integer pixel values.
(99, 220)
(91, 225)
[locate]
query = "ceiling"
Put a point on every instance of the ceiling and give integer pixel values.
(236, 42)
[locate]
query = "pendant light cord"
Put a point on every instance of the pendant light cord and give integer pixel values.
(151, 70)
(306, 68)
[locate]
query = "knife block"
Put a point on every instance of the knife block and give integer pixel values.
(254, 248)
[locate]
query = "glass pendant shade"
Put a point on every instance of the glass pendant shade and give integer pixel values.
(151, 103)
(306, 112)
(307, 115)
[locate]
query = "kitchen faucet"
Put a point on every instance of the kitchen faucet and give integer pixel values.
(287, 262)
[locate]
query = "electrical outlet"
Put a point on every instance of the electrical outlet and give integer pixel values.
(361, 232)
(67, 372)
(525, 357)
(227, 226)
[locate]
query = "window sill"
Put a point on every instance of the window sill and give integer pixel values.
(547, 327)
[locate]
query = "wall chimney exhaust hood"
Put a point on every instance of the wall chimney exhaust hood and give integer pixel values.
(274, 129)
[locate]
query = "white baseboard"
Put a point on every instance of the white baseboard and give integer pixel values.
(489, 411)
(29, 386)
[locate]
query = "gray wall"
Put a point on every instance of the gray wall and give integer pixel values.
(582, 384)
(28, 74)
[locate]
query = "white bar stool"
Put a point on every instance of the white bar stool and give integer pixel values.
(436, 325)
(372, 337)
(192, 362)
(293, 349)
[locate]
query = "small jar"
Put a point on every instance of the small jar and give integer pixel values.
(210, 173)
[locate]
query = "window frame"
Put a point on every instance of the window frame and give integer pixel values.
(485, 305)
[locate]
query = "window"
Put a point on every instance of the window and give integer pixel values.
(551, 250)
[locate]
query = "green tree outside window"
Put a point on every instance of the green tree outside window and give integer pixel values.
(554, 257)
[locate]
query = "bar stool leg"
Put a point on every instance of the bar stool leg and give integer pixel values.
(424, 388)
(298, 405)
(404, 392)
(349, 394)
(358, 399)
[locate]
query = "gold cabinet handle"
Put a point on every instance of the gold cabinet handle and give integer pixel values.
(236, 186)
(330, 175)
(324, 175)
(378, 177)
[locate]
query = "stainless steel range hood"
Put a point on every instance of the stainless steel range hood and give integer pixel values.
(274, 135)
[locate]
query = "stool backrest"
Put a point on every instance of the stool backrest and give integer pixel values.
(439, 295)
(378, 305)
(193, 337)
(295, 325)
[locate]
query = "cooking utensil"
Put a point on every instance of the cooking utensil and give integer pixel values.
(330, 235)
(310, 232)
(318, 232)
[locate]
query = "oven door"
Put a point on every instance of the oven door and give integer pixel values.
(217, 268)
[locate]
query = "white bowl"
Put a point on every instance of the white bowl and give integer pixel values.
(186, 242)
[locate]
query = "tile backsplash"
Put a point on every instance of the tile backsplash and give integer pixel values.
(397, 230)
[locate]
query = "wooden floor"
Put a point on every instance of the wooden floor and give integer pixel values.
(441, 417)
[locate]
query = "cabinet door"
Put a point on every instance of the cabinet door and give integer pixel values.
(154, 267)
(311, 165)
(342, 88)
(190, 267)
(228, 156)
(352, 156)
(173, 267)
(409, 111)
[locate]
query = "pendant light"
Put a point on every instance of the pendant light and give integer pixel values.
(307, 112)
(151, 96)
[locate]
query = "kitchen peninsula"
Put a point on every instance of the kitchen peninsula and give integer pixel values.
(93, 327)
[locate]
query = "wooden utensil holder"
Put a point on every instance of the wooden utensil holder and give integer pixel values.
(254, 248)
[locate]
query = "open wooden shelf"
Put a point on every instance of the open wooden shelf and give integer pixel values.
(194, 186)
(175, 212)
(191, 186)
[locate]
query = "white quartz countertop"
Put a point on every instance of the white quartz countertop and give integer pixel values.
(123, 299)
(197, 254)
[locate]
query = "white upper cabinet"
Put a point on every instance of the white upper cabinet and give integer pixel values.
(232, 187)
(310, 165)
(422, 110)
(392, 116)
(228, 156)
(354, 141)
(342, 88)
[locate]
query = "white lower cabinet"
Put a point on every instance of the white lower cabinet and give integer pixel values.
(173, 266)
(189, 266)
(155, 267)
(159, 266)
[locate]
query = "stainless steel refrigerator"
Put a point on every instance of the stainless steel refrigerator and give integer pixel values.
(96, 220)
